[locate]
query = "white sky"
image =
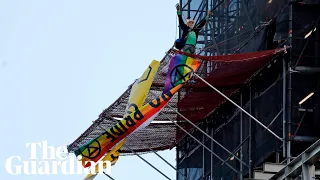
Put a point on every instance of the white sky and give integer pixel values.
(63, 61)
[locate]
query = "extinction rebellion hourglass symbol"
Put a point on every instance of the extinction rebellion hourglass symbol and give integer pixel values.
(93, 150)
(180, 74)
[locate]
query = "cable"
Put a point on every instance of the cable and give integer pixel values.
(176, 29)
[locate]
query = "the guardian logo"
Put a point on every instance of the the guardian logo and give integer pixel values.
(53, 161)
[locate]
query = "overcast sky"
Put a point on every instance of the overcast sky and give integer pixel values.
(63, 61)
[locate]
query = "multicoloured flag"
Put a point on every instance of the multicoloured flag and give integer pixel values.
(180, 71)
(141, 116)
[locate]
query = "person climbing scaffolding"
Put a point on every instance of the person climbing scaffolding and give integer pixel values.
(188, 41)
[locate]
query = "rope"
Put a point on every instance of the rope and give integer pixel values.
(176, 29)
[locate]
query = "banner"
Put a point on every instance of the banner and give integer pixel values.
(97, 147)
(138, 94)
(140, 90)
(179, 71)
(112, 156)
(141, 87)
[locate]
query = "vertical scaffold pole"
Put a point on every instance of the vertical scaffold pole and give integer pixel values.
(250, 133)
(241, 116)
(284, 106)
(289, 83)
(274, 134)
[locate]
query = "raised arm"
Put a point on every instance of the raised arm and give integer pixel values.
(181, 22)
(203, 21)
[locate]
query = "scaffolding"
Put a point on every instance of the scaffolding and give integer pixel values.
(237, 133)
(247, 26)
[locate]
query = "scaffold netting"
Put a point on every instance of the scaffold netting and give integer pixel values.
(195, 101)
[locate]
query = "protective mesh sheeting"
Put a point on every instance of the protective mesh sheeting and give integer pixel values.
(230, 71)
(197, 105)
(224, 125)
(156, 132)
(155, 136)
(196, 101)
(306, 19)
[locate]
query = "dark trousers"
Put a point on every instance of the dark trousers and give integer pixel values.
(189, 48)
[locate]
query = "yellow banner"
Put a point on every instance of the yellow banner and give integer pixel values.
(141, 87)
(112, 156)
(138, 95)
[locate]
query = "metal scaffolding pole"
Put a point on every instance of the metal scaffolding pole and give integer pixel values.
(213, 39)
(206, 38)
(188, 11)
(203, 158)
(237, 21)
(225, 51)
(108, 175)
(164, 160)
(284, 107)
(289, 83)
(275, 118)
(241, 116)
(180, 2)
(247, 13)
(190, 122)
(177, 150)
(303, 164)
(250, 131)
(147, 162)
(237, 148)
(142, 158)
(289, 118)
(302, 118)
(199, 142)
(177, 160)
(211, 156)
(201, 6)
(238, 106)
(185, 177)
